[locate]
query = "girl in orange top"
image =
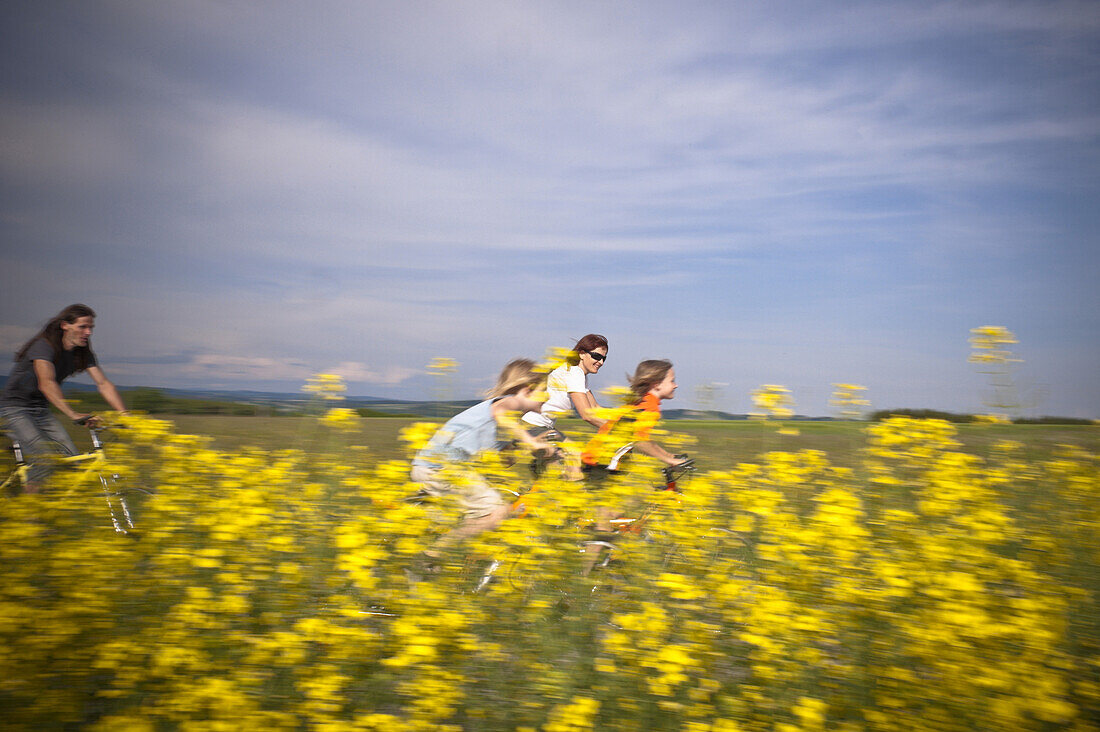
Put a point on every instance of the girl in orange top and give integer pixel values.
(653, 382)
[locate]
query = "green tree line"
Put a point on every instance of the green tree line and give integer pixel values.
(155, 401)
(958, 418)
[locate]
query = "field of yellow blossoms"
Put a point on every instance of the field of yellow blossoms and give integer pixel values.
(928, 588)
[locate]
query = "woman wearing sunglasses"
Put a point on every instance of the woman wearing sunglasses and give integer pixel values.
(567, 386)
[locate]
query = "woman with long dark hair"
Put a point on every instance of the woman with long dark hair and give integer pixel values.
(63, 347)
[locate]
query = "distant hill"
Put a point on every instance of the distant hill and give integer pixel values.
(247, 402)
(158, 400)
(724, 416)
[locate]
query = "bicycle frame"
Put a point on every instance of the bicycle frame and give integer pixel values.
(94, 459)
(619, 526)
(672, 474)
(622, 525)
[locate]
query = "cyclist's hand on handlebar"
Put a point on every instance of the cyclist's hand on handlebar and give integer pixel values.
(545, 450)
(91, 421)
(683, 461)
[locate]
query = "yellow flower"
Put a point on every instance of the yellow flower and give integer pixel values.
(326, 386)
(772, 400)
(347, 420)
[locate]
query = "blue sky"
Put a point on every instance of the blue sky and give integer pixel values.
(797, 193)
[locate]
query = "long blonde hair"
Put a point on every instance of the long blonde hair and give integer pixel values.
(647, 375)
(518, 374)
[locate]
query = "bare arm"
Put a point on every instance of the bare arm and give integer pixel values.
(648, 447)
(47, 384)
(586, 407)
(504, 411)
(107, 389)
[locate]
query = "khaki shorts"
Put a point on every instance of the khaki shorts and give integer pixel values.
(477, 497)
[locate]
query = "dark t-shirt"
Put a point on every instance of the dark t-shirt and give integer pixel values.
(21, 388)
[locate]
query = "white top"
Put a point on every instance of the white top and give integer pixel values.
(563, 381)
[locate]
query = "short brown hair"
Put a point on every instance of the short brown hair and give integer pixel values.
(590, 342)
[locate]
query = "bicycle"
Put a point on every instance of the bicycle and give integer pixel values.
(621, 526)
(577, 591)
(92, 463)
(478, 571)
(673, 475)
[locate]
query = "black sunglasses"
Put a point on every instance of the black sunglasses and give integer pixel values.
(596, 356)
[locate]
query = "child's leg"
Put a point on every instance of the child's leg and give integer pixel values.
(603, 530)
(472, 526)
(485, 508)
(604, 535)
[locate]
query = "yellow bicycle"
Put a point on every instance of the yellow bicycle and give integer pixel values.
(92, 466)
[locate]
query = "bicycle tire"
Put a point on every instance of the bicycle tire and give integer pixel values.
(11, 483)
(529, 581)
(518, 578)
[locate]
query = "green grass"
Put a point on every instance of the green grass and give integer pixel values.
(715, 445)
(724, 444)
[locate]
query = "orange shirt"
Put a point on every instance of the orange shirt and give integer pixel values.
(632, 423)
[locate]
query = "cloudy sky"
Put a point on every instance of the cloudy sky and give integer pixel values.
(796, 193)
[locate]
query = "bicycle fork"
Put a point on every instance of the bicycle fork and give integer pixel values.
(487, 575)
(97, 446)
(119, 528)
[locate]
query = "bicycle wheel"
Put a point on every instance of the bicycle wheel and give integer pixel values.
(12, 485)
(530, 579)
(520, 578)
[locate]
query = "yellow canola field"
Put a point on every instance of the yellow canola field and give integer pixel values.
(927, 589)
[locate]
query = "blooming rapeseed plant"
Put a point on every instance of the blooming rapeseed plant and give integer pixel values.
(772, 401)
(330, 387)
(342, 419)
(991, 351)
(990, 344)
(848, 400)
(927, 588)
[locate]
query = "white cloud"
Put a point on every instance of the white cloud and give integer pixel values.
(353, 371)
(595, 126)
(12, 338)
(221, 367)
(373, 184)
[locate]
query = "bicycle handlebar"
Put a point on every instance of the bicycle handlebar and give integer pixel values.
(93, 430)
(686, 465)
